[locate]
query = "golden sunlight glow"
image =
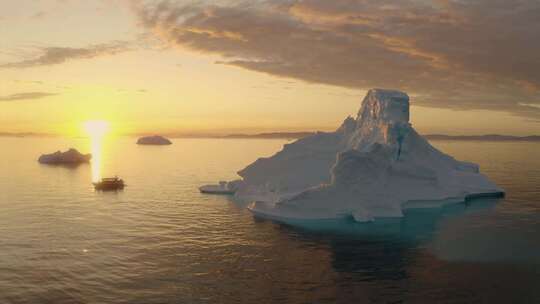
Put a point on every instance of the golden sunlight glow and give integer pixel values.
(96, 130)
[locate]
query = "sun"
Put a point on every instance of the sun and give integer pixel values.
(96, 128)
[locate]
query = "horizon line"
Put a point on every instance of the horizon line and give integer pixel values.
(279, 135)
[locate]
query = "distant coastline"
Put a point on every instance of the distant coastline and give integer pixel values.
(25, 134)
(297, 135)
(489, 137)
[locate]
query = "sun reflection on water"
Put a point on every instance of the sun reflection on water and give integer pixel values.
(96, 130)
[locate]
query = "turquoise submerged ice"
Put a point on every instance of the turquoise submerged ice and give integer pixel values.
(371, 167)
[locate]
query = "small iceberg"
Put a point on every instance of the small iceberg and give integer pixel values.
(70, 157)
(225, 188)
(155, 140)
(373, 166)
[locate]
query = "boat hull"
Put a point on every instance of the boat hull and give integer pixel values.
(108, 187)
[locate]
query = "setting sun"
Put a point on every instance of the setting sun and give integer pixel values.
(96, 128)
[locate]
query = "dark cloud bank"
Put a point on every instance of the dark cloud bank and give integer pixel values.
(463, 54)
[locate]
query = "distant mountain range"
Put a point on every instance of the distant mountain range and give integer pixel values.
(24, 134)
(296, 135)
(273, 135)
(488, 137)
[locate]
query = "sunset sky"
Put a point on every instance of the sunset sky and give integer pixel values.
(217, 67)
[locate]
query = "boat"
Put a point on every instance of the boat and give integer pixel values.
(109, 183)
(221, 188)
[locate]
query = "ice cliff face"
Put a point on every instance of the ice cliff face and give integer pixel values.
(383, 117)
(372, 166)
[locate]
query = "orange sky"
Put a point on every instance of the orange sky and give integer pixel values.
(66, 62)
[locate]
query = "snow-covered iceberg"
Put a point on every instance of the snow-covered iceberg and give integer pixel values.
(372, 166)
(70, 157)
(155, 140)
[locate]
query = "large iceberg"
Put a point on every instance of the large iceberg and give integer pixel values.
(370, 167)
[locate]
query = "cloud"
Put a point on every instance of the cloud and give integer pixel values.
(29, 81)
(467, 54)
(38, 15)
(58, 55)
(26, 96)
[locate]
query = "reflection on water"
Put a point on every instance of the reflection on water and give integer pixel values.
(96, 150)
(161, 241)
(96, 129)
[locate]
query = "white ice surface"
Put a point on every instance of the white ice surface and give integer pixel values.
(370, 167)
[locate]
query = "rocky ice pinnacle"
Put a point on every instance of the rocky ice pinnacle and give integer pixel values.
(372, 166)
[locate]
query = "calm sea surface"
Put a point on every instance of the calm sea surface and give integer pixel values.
(160, 241)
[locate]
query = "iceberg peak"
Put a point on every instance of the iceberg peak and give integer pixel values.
(388, 106)
(348, 125)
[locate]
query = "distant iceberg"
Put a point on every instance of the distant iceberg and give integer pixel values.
(70, 157)
(371, 167)
(154, 140)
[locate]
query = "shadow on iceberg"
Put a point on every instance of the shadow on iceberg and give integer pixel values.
(417, 224)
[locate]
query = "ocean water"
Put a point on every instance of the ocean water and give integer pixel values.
(161, 241)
